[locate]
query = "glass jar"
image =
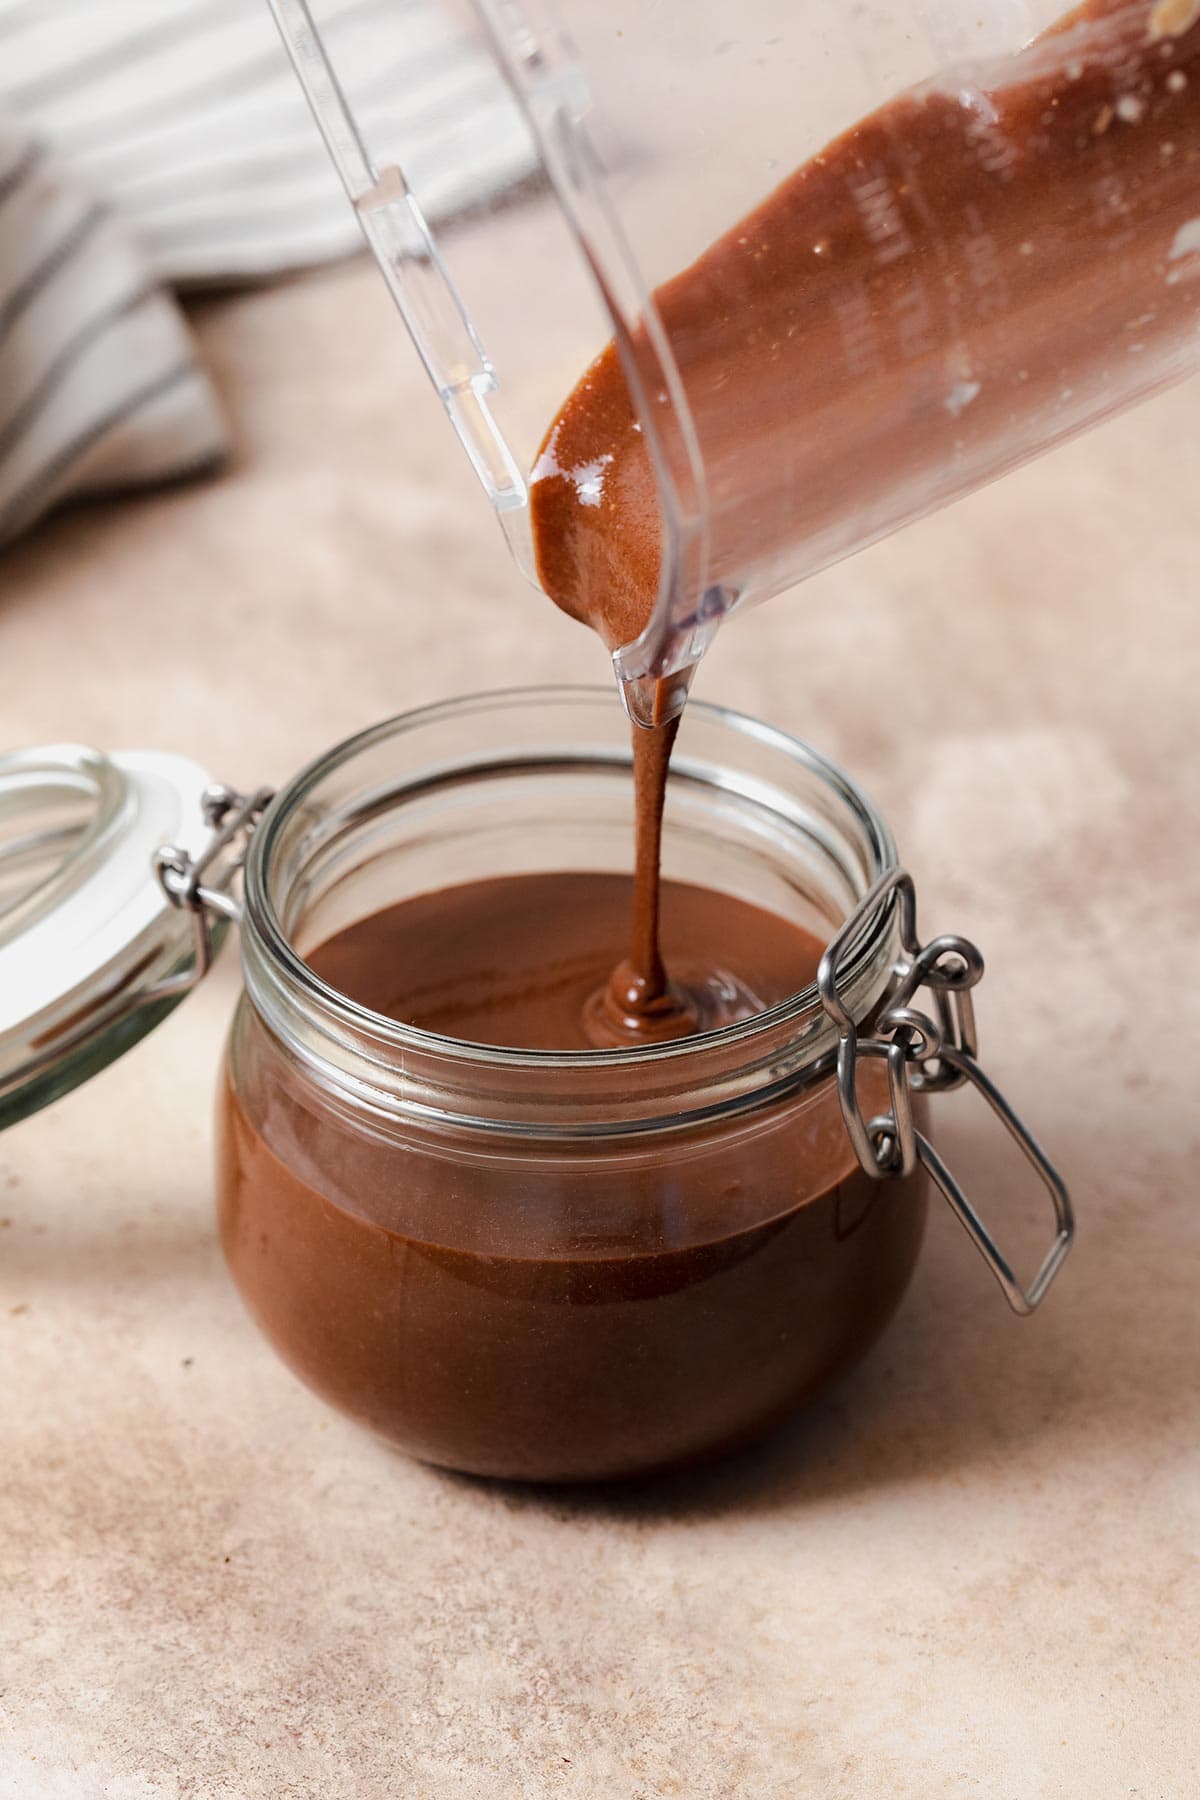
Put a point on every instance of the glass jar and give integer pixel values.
(520, 1264)
(517, 1263)
(540, 1265)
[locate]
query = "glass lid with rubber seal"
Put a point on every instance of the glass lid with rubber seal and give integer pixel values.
(94, 951)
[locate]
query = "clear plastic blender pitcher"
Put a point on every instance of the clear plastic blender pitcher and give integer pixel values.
(1007, 253)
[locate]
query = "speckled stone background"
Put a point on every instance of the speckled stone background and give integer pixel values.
(973, 1570)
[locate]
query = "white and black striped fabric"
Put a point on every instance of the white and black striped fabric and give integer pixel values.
(99, 384)
(148, 146)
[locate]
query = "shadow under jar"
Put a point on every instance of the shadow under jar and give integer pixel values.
(541, 1265)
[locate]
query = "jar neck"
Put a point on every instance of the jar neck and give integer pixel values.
(355, 830)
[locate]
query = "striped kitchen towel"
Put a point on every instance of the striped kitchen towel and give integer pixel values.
(146, 147)
(99, 384)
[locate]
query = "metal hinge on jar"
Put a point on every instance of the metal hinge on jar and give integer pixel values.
(200, 885)
(927, 1054)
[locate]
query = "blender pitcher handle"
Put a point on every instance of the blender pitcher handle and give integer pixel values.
(924, 1054)
(404, 247)
(549, 91)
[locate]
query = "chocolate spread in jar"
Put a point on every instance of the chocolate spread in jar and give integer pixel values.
(554, 1311)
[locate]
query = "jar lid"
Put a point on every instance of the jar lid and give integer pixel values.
(92, 951)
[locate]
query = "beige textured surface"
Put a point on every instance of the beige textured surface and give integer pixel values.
(974, 1570)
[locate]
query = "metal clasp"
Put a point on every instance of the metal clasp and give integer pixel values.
(200, 885)
(927, 1054)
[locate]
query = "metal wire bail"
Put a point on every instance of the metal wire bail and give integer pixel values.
(231, 818)
(925, 1055)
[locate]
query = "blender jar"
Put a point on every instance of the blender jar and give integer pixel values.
(853, 261)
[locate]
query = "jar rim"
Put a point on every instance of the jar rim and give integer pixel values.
(263, 927)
